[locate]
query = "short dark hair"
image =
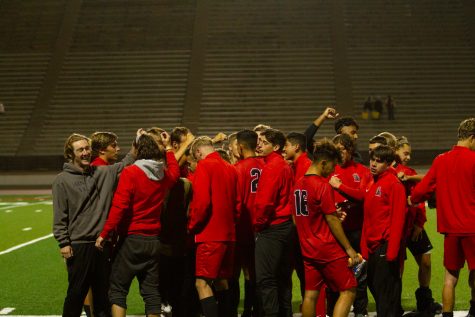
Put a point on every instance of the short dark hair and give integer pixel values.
(101, 140)
(326, 150)
(275, 137)
(177, 133)
(384, 153)
(345, 122)
(148, 148)
(296, 138)
(346, 141)
(248, 139)
(378, 139)
(224, 155)
(466, 129)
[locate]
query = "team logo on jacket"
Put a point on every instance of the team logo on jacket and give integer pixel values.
(378, 191)
(356, 178)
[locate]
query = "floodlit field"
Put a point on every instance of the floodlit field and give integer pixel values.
(33, 277)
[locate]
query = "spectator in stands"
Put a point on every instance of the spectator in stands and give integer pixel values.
(367, 108)
(105, 149)
(377, 108)
(84, 192)
(2, 108)
(390, 104)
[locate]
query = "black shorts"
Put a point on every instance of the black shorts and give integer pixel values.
(421, 246)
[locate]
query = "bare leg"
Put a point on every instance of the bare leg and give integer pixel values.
(448, 292)
(344, 302)
(309, 302)
(118, 311)
(203, 288)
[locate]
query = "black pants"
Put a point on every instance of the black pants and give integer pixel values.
(274, 271)
(384, 282)
(177, 284)
(88, 268)
(137, 257)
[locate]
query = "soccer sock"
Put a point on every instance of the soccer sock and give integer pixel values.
(472, 308)
(448, 314)
(209, 306)
(225, 303)
(87, 310)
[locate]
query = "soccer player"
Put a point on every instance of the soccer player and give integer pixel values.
(233, 148)
(249, 170)
(273, 226)
(82, 196)
(295, 150)
(212, 220)
(135, 213)
(325, 248)
(383, 232)
(417, 240)
(105, 149)
(452, 177)
(350, 182)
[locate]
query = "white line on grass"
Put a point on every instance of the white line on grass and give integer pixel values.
(6, 310)
(25, 244)
(17, 205)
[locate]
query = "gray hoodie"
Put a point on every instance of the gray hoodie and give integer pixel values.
(153, 169)
(81, 201)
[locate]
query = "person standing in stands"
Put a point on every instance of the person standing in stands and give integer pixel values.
(212, 220)
(135, 214)
(82, 196)
(273, 227)
(452, 177)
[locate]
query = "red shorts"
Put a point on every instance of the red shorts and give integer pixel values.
(336, 275)
(214, 259)
(457, 249)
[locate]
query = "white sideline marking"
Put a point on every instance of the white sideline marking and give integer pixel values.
(38, 210)
(25, 244)
(23, 204)
(8, 211)
(6, 310)
(26, 229)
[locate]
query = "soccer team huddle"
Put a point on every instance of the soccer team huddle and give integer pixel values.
(185, 215)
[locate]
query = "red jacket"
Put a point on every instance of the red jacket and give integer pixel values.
(273, 201)
(248, 173)
(138, 200)
(385, 211)
(453, 174)
(99, 162)
(301, 166)
(416, 214)
(213, 206)
(356, 180)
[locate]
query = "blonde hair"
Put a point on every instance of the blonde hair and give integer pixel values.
(200, 142)
(68, 145)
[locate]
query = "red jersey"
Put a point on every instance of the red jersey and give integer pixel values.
(248, 173)
(356, 180)
(416, 214)
(385, 210)
(453, 174)
(313, 199)
(300, 166)
(138, 200)
(213, 206)
(272, 204)
(99, 162)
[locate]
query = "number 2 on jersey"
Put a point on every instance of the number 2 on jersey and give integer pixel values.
(255, 175)
(301, 202)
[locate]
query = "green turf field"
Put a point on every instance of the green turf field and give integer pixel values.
(33, 278)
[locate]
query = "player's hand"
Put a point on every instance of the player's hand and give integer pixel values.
(416, 233)
(353, 257)
(335, 182)
(100, 243)
(189, 138)
(219, 137)
(409, 202)
(341, 214)
(66, 252)
(330, 113)
(165, 138)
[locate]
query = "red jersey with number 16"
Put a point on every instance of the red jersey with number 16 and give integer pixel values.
(313, 199)
(248, 174)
